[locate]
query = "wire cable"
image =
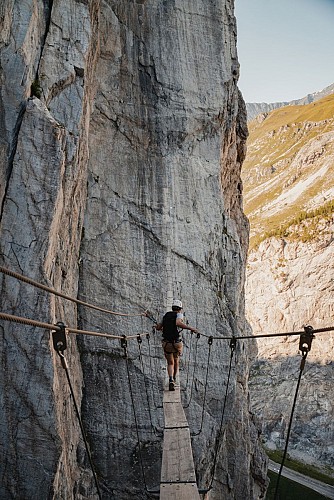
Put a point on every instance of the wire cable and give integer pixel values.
(304, 346)
(39, 324)
(47, 326)
(151, 370)
(205, 387)
(65, 366)
(26, 321)
(193, 377)
(233, 344)
(156, 432)
(188, 363)
(34, 283)
(269, 335)
(124, 345)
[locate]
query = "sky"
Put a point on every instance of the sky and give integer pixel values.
(285, 48)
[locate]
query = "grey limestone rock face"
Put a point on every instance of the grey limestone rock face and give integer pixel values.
(121, 185)
(290, 284)
(43, 181)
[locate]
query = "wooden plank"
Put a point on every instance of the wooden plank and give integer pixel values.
(172, 396)
(178, 479)
(177, 458)
(181, 491)
(174, 416)
(173, 410)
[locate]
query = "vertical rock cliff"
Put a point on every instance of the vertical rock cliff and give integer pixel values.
(289, 285)
(122, 139)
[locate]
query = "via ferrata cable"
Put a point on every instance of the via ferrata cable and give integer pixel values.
(205, 387)
(305, 347)
(194, 369)
(233, 344)
(59, 343)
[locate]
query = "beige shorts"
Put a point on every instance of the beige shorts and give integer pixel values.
(172, 349)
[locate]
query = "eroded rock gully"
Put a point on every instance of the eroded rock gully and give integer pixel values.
(122, 138)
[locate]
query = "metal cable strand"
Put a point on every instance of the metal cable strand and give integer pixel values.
(151, 369)
(64, 365)
(105, 335)
(302, 364)
(269, 335)
(205, 389)
(157, 361)
(232, 346)
(31, 322)
(26, 321)
(193, 377)
(147, 398)
(136, 422)
(190, 344)
(38, 324)
(129, 337)
(59, 294)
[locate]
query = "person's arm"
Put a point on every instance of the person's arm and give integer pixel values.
(158, 326)
(180, 323)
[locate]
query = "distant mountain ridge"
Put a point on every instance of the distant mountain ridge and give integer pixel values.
(256, 108)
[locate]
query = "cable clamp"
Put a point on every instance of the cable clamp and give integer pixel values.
(210, 340)
(198, 335)
(149, 315)
(139, 339)
(124, 345)
(148, 336)
(233, 343)
(305, 340)
(59, 337)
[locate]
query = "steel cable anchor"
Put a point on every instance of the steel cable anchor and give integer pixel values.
(60, 342)
(60, 345)
(305, 343)
(124, 345)
(233, 343)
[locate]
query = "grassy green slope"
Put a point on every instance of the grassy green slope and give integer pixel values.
(289, 490)
(289, 166)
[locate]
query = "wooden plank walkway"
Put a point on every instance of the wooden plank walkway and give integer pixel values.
(178, 479)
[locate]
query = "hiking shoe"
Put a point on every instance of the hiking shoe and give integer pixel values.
(171, 386)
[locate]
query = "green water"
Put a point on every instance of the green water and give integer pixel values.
(289, 490)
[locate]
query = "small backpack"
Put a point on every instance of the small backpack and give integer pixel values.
(169, 328)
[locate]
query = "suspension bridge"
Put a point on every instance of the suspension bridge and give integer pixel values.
(178, 477)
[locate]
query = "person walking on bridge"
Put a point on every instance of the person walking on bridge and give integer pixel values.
(171, 325)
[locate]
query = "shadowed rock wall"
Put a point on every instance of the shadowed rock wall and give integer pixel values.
(295, 278)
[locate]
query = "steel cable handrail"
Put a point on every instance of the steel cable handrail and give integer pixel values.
(36, 284)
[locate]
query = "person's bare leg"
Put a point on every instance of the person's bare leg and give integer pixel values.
(175, 367)
(170, 367)
(170, 371)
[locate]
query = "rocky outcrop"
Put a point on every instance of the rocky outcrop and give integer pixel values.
(127, 117)
(289, 284)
